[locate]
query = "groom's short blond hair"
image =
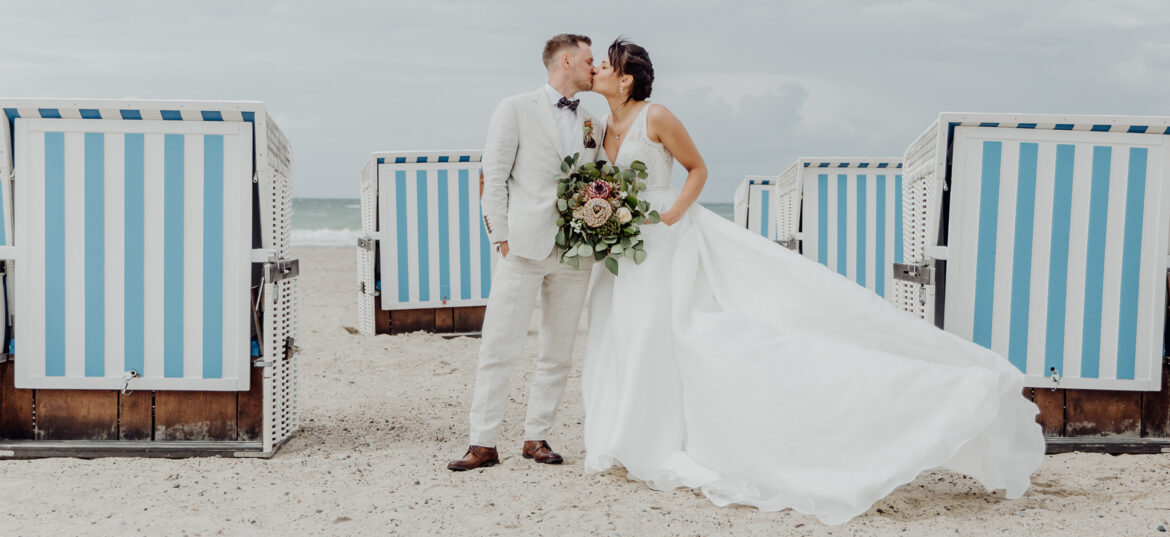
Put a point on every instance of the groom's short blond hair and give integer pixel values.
(561, 42)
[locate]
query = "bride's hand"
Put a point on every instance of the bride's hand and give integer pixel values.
(669, 218)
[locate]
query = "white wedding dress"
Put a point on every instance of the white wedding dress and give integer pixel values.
(730, 364)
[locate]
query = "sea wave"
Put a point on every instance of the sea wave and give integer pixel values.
(324, 237)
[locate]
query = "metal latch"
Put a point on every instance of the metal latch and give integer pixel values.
(281, 270)
(791, 244)
(1055, 378)
(366, 243)
(909, 272)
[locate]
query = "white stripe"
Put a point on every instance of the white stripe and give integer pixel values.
(808, 218)
(115, 252)
(412, 232)
(1114, 241)
(1155, 228)
(237, 210)
(152, 278)
(851, 226)
(69, 113)
(232, 115)
(475, 222)
(150, 114)
(1005, 241)
(963, 233)
(191, 115)
(453, 233)
(388, 226)
(74, 254)
(193, 257)
(871, 233)
(30, 148)
(433, 235)
(893, 196)
(1041, 251)
(1077, 251)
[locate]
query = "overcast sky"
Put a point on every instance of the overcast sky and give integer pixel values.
(758, 84)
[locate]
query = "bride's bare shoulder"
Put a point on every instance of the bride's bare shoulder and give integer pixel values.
(659, 119)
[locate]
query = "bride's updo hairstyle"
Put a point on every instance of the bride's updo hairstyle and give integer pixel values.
(630, 59)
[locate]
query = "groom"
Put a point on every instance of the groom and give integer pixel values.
(528, 138)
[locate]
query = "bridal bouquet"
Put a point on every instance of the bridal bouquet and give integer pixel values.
(600, 212)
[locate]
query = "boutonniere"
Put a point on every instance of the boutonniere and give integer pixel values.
(589, 142)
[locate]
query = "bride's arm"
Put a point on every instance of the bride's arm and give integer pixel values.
(663, 127)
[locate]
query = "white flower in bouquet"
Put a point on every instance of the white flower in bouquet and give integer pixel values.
(597, 211)
(616, 202)
(579, 212)
(623, 215)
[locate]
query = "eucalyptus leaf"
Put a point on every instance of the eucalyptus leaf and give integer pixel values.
(562, 205)
(584, 249)
(626, 243)
(654, 217)
(643, 175)
(615, 249)
(601, 246)
(561, 238)
(574, 262)
(598, 256)
(612, 265)
(564, 167)
(560, 221)
(639, 256)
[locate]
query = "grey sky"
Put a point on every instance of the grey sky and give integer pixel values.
(757, 83)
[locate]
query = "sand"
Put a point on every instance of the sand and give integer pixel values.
(382, 415)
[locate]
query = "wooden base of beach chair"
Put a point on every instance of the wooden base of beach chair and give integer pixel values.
(458, 320)
(92, 423)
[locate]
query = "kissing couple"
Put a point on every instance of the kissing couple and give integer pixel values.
(724, 362)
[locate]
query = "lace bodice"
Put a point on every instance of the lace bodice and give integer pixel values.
(638, 146)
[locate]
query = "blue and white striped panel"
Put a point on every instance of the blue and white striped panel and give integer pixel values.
(135, 240)
(852, 223)
(434, 248)
(1057, 252)
(762, 211)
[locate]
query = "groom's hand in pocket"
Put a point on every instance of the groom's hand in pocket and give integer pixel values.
(503, 249)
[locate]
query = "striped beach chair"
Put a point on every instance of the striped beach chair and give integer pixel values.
(136, 252)
(851, 209)
(424, 259)
(757, 205)
(1045, 239)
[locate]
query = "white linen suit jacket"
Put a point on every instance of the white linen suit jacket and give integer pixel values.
(521, 161)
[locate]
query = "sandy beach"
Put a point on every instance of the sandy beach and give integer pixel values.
(382, 415)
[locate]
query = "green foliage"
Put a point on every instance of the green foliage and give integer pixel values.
(612, 240)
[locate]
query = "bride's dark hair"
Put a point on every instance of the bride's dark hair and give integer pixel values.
(630, 59)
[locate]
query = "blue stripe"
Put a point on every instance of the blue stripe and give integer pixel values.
(883, 165)
(12, 114)
(897, 218)
(173, 164)
(465, 158)
(464, 236)
(823, 219)
(1026, 126)
(444, 158)
(130, 114)
(90, 113)
(135, 357)
(1095, 262)
(823, 165)
(1022, 256)
(1063, 127)
(95, 254)
(985, 249)
(420, 160)
(863, 165)
(1058, 259)
(1131, 256)
(400, 160)
(1101, 128)
(861, 229)
(1167, 131)
(843, 165)
(212, 256)
(879, 249)
(842, 223)
(381, 160)
(764, 213)
(172, 115)
(250, 117)
(400, 214)
(1137, 128)
(989, 124)
(49, 113)
(211, 115)
(424, 240)
(444, 240)
(54, 254)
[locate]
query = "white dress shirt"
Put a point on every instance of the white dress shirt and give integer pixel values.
(571, 136)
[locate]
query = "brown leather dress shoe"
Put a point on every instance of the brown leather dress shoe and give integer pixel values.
(475, 457)
(539, 451)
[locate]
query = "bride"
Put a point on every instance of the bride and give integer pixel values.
(731, 365)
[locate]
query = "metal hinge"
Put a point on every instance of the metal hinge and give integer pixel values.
(791, 244)
(281, 270)
(366, 243)
(909, 272)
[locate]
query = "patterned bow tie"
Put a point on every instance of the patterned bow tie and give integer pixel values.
(566, 103)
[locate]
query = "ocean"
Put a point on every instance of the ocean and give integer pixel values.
(324, 222)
